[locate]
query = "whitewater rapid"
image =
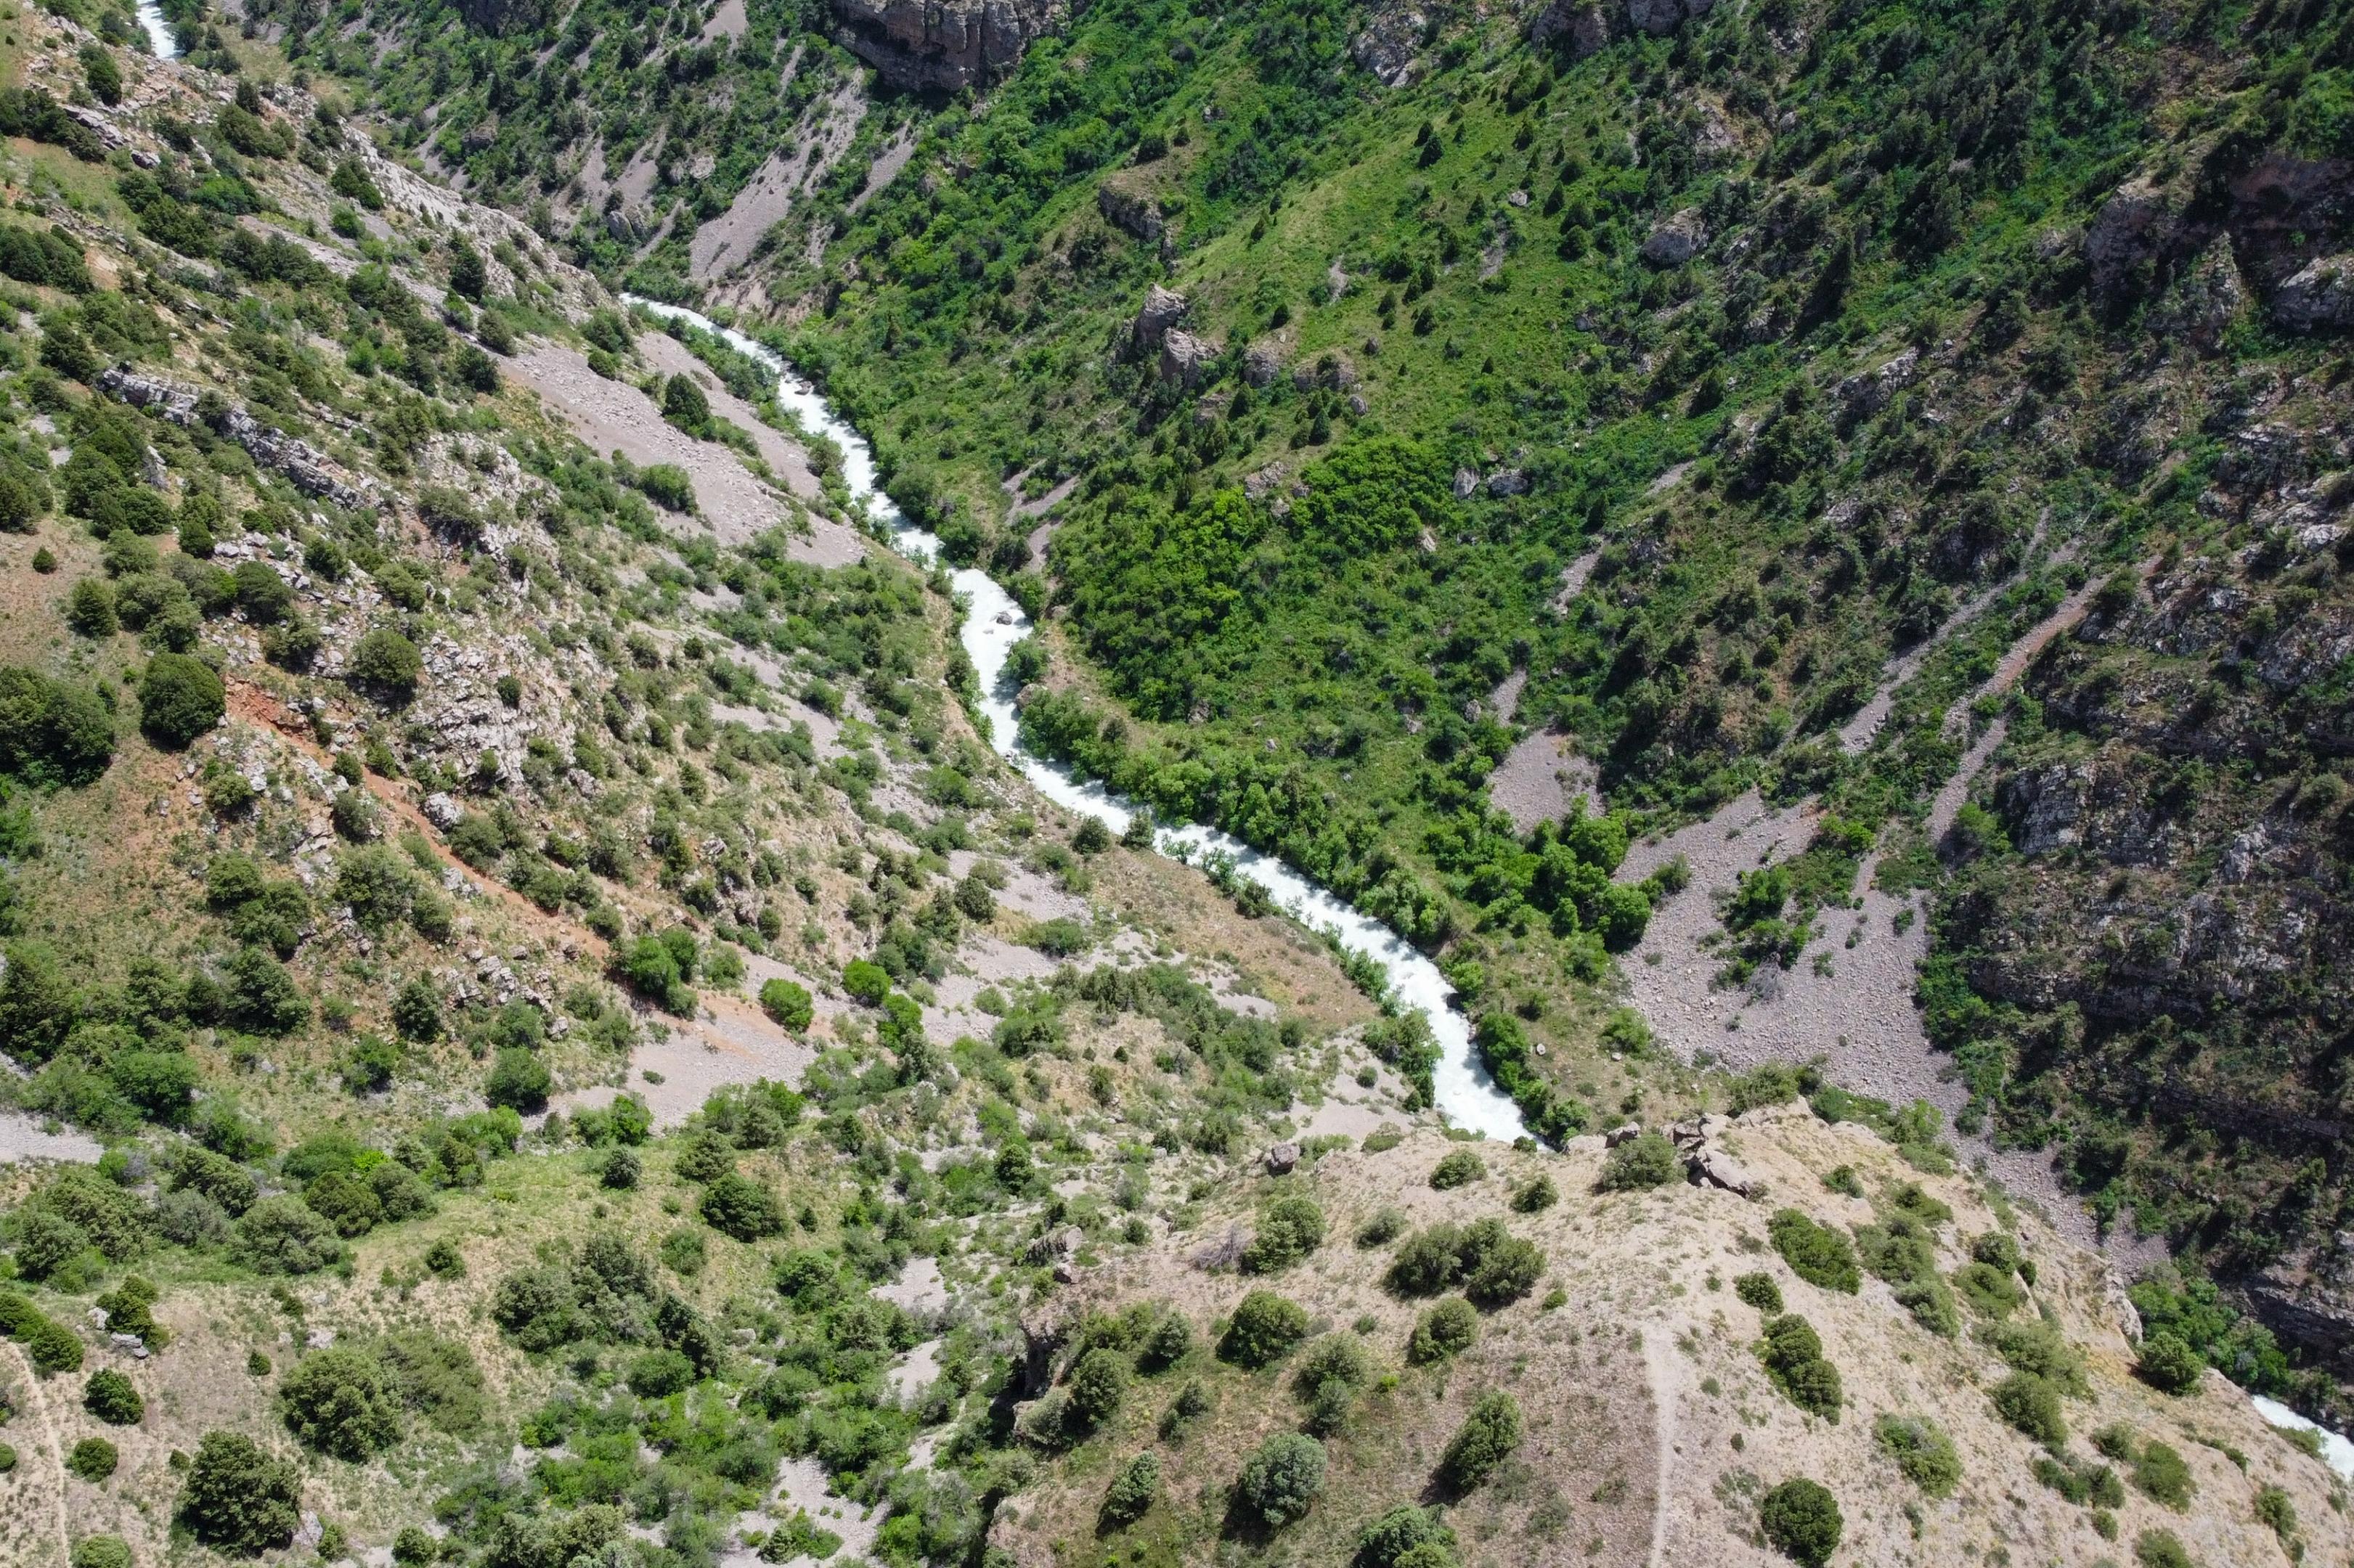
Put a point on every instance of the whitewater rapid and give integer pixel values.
(159, 31)
(993, 623)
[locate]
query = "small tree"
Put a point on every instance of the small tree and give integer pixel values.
(519, 1080)
(1802, 1520)
(1282, 1480)
(1816, 1254)
(738, 1206)
(341, 1402)
(1922, 1451)
(94, 1459)
(1639, 1164)
(867, 983)
(1133, 1490)
(788, 1003)
(1098, 1383)
(1458, 1169)
(110, 1396)
(1484, 1440)
(180, 698)
(386, 662)
(1290, 1228)
(1446, 1329)
(1266, 1328)
(2031, 1404)
(2168, 1363)
(238, 1498)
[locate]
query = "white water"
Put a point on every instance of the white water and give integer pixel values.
(993, 623)
(159, 31)
(2335, 1448)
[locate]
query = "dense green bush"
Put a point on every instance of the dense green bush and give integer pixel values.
(341, 1402)
(1290, 1228)
(1098, 1382)
(1802, 1520)
(1406, 1537)
(2166, 1364)
(113, 1398)
(52, 730)
(1816, 1254)
(1758, 1290)
(786, 1003)
(1446, 1330)
(2161, 1549)
(738, 1206)
(2031, 1404)
(237, 1499)
(94, 1459)
(1793, 1354)
(1922, 1451)
(1486, 1439)
(1641, 1162)
(518, 1079)
(101, 1551)
(1493, 1266)
(1265, 1328)
(386, 662)
(1133, 1491)
(1282, 1480)
(180, 698)
(1459, 1167)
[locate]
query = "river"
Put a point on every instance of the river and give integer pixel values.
(159, 31)
(993, 623)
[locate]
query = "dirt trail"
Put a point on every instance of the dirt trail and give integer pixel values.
(40, 1465)
(1847, 1000)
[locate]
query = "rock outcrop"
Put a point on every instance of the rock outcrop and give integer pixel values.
(1676, 239)
(1133, 212)
(275, 449)
(1386, 45)
(1660, 17)
(1261, 364)
(2318, 296)
(1581, 27)
(1183, 356)
(1162, 309)
(943, 45)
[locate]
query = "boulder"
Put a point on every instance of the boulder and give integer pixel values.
(1581, 27)
(2137, 224)
(1384, 48)
(1330, 371)
(1718, 1169)
(1677, 239)
(1261, 364)
(2317, 297)
(1508, 482)
(1626, 1133)
(1045, 1331)
(1282, 1159)
(1183, 356)
(943, 45)
(1660, 17)
(1862, 394)
(1133, 212)
(1162, 309)
(1467, 482)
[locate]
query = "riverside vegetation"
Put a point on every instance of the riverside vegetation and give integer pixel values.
(547, 1036)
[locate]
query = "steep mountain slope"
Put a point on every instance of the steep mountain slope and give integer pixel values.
(1719, 392)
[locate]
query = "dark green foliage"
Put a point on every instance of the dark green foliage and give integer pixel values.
(237, 1499)
(738, 1206)
(1458, 1169)
(341, 1402)
(1445, 1330)
(1816, 1254)
(94, 1459)
(52, 730)
(284, 1235)
(1493, 1266)
(1537, 1196)
(2167, 1362)
(1098, 1382)
(101, 1552)
(1793, 1354)
(387, 663)
(1281, 1479)
(1133, 1491)
(180, 698)
(1640, 1163)
(51, 1346)
(1759, 1291)
(519, 1079)
(1486, 1439)
(2159, 1472)
(2031, 1404)
(1290, 1228)
(788, 1003)
(1801, 1520)
(1406, 1537)
(110, 1396)
(1265, 1328)
(1922, 1450)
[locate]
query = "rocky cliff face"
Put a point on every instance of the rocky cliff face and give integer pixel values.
(943, 45)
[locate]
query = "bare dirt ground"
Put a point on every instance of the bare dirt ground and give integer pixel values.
(22, 1138)
(1848, 1000)
(728, 241)
(1537, 779)
(671, 357)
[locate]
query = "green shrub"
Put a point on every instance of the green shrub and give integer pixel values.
(2168, 1364)
(2159, 1473)
(2160, 1549)
(736, 1205)
(341, 1401)
(1760, 1291)
(1290, 1228)
(94, 1459)
(1486, 1439)
(1640, 1163)
(1282, 1480)
(1098, 1383)
(180, 698)
(1382, 1226)
(238, 1498)
(2031, 1404)
(110, 1396)
(386, 662)
(1133, 1491)
(1922, 1451)
(657, 1374)
(786, 1003)
(52, 730)
(1802, 1520)
(1458, 1169)
(1991, 1292)
(2037, 1347)
(1816, 1254)
(1406, 1537)
(101, 1551)
(519, 1080)
(1793, 1355)
(1168, 1341)
(2275, 1509)
(1448, 1328)
(867, 983)
(1265, 1328)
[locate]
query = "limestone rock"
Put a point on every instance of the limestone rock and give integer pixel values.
(1261, 366)
(442, 810)
(2319, 296)
(1862, 394)
(1676, 239)
(1660, 17)
(1466, 483)
(1508, 482)
(1183, 356)
(1132, 211)
(1282, 1159)
(1045, 1331)
(2205, 299)
(2137, 224)
(1162, 309)
(943, 45)
(1626, 1133)
(1581, 26)
(1385, 47)
(1718, 1169)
